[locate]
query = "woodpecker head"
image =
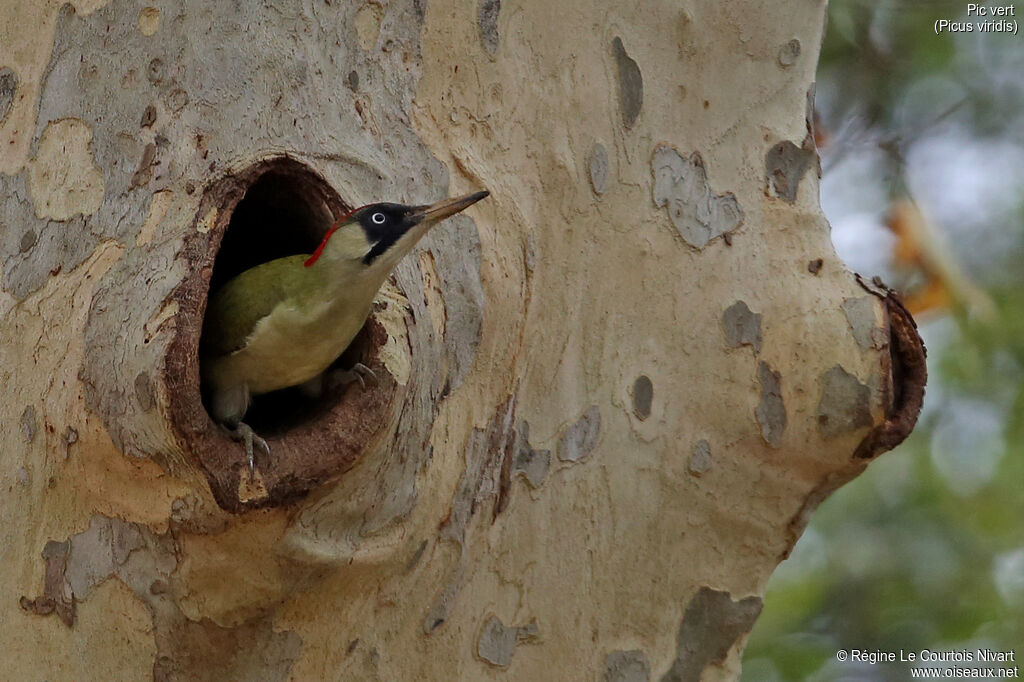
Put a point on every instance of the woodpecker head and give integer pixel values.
(379, 235)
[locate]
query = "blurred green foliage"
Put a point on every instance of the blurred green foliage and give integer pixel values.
(877, 49)
(925, 550)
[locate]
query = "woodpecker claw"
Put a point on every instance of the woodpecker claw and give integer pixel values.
(359, 372)
(243, 433)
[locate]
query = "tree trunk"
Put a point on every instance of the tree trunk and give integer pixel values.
(609, 396)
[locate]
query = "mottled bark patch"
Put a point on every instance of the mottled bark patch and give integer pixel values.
(367, 24)
(860, 314)
(28, 423)
(63, 178)
(144, 391)
(597, 165)
(487, 20)
(631, 84)
(57, 597)
(845, 403)
(489, 456)
(493, 455)
(771, 412)
(206, 651)
(785, 165)
(711, 626)
(442, 606)
(28, 240)
(627, 666)
(149, 20)
(789, 53)
(581, 438)
(144, 171)
(700, 459)
(643, 397)
(742, 327)
(681, 186)
(146, 562)
(148, 117)
(497, 642)
(44, 251)
(69, 438)
(8, 88)
(810, 139)
(458, 267)
(530, 463)
(100, 551)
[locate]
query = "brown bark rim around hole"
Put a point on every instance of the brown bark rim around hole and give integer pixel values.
(304, 453)
(907, 371)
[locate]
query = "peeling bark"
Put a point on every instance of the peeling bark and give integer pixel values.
(712, 625)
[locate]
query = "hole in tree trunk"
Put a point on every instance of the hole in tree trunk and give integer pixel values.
(275, 208)
(283, 213)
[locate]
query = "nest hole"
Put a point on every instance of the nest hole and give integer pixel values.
(274, 208)
(285, 210)
(282, 213)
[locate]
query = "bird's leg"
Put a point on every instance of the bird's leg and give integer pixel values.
(229, 405)
(243, 433)
(359, 372)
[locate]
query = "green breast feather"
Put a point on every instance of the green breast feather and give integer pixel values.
(236, 308)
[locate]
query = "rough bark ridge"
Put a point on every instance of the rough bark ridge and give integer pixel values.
(612, 394)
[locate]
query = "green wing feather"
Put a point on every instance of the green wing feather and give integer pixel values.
(236, 308)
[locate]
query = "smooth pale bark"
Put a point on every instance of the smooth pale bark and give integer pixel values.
(610, 394)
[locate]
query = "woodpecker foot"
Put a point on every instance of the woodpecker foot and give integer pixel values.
(359, 372)
(244, 434)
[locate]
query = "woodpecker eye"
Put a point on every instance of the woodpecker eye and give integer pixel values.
(378, 218)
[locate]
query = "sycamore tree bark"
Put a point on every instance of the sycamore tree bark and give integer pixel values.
(609, 396)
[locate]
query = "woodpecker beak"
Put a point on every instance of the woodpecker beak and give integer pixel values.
(445, 208)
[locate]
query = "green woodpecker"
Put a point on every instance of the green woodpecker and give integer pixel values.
(284, 322)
